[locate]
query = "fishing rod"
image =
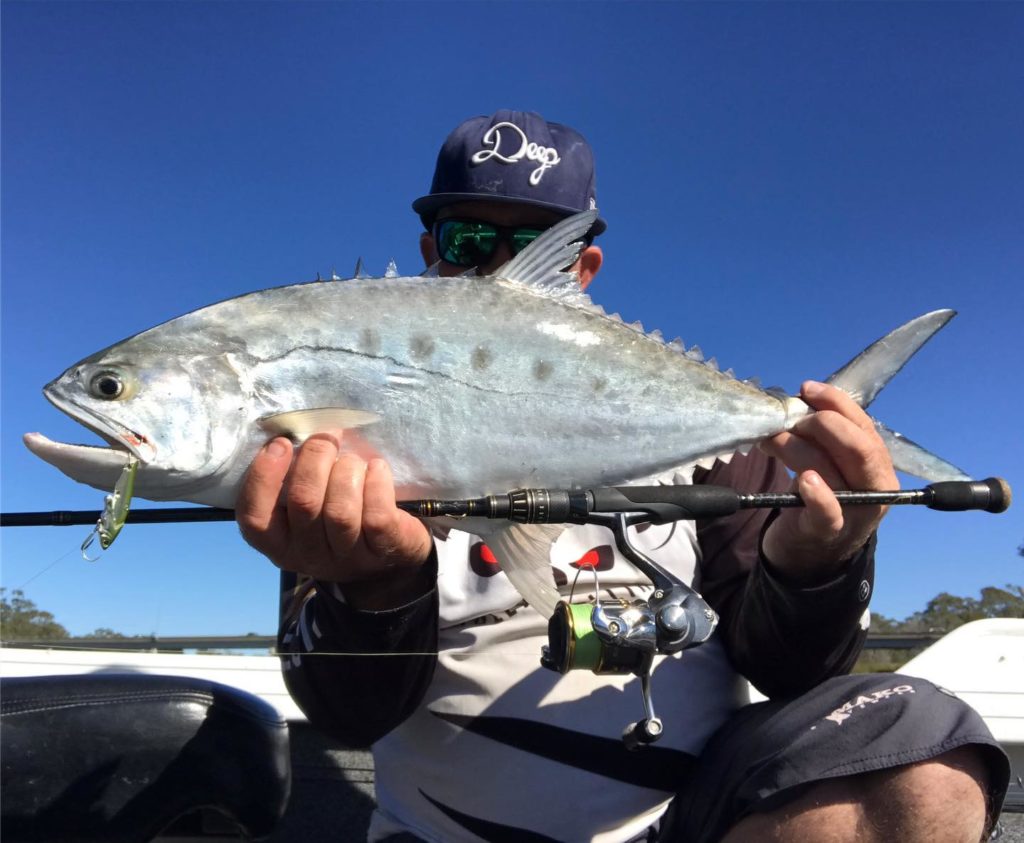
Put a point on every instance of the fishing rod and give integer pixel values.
(659, 504)
(606, 636)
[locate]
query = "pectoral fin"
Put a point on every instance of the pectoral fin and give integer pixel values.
(299, 425)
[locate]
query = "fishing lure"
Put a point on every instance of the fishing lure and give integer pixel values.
(115, 510)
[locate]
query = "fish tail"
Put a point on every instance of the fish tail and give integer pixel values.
(868, 373)
(911, 458)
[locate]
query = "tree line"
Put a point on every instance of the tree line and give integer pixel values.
(945, 612)
(21, 619)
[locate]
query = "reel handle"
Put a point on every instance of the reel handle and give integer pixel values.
(638, 735)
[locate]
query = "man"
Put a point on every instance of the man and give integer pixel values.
(479, 742)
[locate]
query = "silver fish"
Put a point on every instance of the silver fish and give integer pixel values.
(466, 385)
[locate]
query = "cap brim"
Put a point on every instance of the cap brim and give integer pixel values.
(427, 206)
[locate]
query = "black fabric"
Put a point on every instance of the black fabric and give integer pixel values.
(657, 767)
(380, 691)
(116, 757)
(767, 753)
(784, 638)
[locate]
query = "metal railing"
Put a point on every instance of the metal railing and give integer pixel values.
(153, 643)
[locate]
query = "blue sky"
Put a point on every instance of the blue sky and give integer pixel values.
(783, 184)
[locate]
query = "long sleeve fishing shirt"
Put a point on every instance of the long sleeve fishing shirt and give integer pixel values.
(473, 739)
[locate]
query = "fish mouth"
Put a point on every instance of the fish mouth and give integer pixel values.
(119, 437)
(80, 462)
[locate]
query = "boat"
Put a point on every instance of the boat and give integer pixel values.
(307, 781)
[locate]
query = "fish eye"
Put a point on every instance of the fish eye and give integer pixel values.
(108, 385)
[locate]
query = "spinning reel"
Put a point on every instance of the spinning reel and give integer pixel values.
(619, 636)
(623, 636)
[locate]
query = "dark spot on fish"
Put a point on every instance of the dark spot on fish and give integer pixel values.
(542, 370)
(369, 341)
(421, 347)
(481, 358)
(599, 385)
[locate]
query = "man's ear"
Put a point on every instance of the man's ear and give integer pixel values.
(428, 248)
(588, 264)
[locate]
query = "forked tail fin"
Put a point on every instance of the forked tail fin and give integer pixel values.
(911, 458)
(868, 373)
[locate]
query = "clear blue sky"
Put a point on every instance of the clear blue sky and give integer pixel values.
(783, 184)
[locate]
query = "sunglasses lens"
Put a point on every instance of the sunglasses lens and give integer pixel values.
(523, 237)
(466, 243)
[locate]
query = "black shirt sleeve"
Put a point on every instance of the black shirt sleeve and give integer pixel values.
(784, 638)
(356, 674)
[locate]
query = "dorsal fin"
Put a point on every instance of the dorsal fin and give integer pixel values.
(541, 265)
(541, 268)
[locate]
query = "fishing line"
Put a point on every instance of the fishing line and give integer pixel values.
(285, 654)
(38, 574)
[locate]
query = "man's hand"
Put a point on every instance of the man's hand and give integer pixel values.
(338, 521)
(835, 448)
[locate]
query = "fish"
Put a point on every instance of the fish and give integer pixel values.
(467, 385)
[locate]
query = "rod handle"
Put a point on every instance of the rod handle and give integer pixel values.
(991, 495)
(667, 503)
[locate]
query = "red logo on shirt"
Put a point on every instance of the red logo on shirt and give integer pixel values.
(482, 561)
(600, 558)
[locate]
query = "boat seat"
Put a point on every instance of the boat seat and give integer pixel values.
(119, 756)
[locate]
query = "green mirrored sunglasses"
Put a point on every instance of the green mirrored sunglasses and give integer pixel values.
(468, 242)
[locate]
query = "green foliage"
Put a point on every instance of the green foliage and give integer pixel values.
(1003, 602)
(105, 632)
(880, 623)
(20, 619)
(946, 612)
(883, 661)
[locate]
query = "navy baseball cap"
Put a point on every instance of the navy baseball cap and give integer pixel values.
(513, 156)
